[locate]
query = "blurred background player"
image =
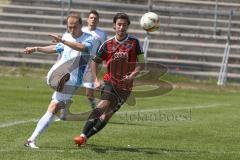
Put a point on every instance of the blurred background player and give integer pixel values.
(100, 36)
(73, 44)
(121, 53)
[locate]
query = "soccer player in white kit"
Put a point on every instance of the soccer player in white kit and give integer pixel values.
(100, 36)
(72, 45)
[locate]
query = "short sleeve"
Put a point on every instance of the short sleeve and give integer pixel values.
(139, 51)
(59, 48)
(88, 43)
(101, 53)
(96, 44)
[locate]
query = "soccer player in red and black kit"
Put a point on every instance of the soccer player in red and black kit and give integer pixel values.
(124, 59)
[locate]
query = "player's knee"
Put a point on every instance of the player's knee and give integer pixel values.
(53, 107)
(104, 104)
(64, 109)
(106, 116)
(96, 113)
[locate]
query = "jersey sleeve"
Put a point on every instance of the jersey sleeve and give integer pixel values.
(88, 43)
(139, 51)
(101, 54)
(95, 47)
(59, 47)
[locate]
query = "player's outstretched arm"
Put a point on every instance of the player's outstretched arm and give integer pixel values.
(46, 49)
(74, 45)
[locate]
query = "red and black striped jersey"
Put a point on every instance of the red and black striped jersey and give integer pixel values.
(120, 58)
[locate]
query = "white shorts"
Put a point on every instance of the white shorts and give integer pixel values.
(88, 85)
(61, 97)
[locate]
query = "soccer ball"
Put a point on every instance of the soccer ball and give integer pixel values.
(150, 22)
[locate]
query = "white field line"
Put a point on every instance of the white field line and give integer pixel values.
(9, 124)
(174, 108)
(14, 123)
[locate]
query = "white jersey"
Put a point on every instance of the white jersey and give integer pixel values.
(69, 53)
(70, 62)
(99, 35)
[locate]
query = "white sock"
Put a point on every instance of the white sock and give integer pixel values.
(43, 124)
(83, 135)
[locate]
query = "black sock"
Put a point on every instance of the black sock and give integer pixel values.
(89, 125)
(99, 125)
(92, 120)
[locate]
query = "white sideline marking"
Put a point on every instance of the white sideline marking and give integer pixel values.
(175, 108)
(10, 124)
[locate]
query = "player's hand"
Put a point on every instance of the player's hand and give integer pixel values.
(56, 38)
(97, 83)
(127, 78)
(29, 50)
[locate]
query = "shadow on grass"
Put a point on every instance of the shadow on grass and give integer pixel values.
(144, 150)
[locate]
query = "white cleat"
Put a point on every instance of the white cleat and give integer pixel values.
(31, 144)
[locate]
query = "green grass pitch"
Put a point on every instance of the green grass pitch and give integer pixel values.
(193, 121)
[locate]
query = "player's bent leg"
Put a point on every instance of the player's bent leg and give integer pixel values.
(101, 122)
(82, 139)
(63, 102)
(62, 81)
(94, 123)
(58, 75)
(93, 119)
(109, 109)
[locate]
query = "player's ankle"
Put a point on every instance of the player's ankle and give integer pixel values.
(83, 135)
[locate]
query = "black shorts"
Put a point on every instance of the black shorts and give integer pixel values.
(116, 96)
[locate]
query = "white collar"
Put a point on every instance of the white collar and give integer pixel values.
(122, 41)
